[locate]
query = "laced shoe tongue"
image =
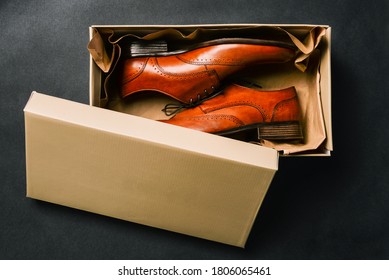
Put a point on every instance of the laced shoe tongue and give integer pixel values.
(249, 84)
(173, 108)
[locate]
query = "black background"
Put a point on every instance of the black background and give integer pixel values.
(316, 208)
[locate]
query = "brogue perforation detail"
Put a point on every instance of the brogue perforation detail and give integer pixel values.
(136, 71)
(179, 76)
(282, 104)
(211, 61)
(265, 116)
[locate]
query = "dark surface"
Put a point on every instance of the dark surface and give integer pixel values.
(316, 208)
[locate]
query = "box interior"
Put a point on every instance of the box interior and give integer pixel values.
(309, 73)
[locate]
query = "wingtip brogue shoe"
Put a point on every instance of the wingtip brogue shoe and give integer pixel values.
(272, 115)
(193, 75)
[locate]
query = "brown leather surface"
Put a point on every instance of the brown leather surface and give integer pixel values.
(197, 73)
(239, 106)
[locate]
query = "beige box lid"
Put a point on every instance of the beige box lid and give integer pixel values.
(143, 171)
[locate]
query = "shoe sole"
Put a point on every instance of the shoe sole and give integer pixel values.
(160, 48)
(270, 131)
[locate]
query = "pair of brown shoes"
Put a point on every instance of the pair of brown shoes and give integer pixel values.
(195, 79)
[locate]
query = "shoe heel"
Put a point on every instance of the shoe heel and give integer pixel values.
(281, 131)
(147, 48)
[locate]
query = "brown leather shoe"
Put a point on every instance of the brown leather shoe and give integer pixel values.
(273, 115)
(196, 74)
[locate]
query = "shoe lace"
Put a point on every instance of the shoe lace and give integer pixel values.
(173, 108)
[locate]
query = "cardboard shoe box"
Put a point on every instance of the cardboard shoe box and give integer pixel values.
(131, 167)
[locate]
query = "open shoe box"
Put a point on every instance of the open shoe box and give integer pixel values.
(118, 161)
